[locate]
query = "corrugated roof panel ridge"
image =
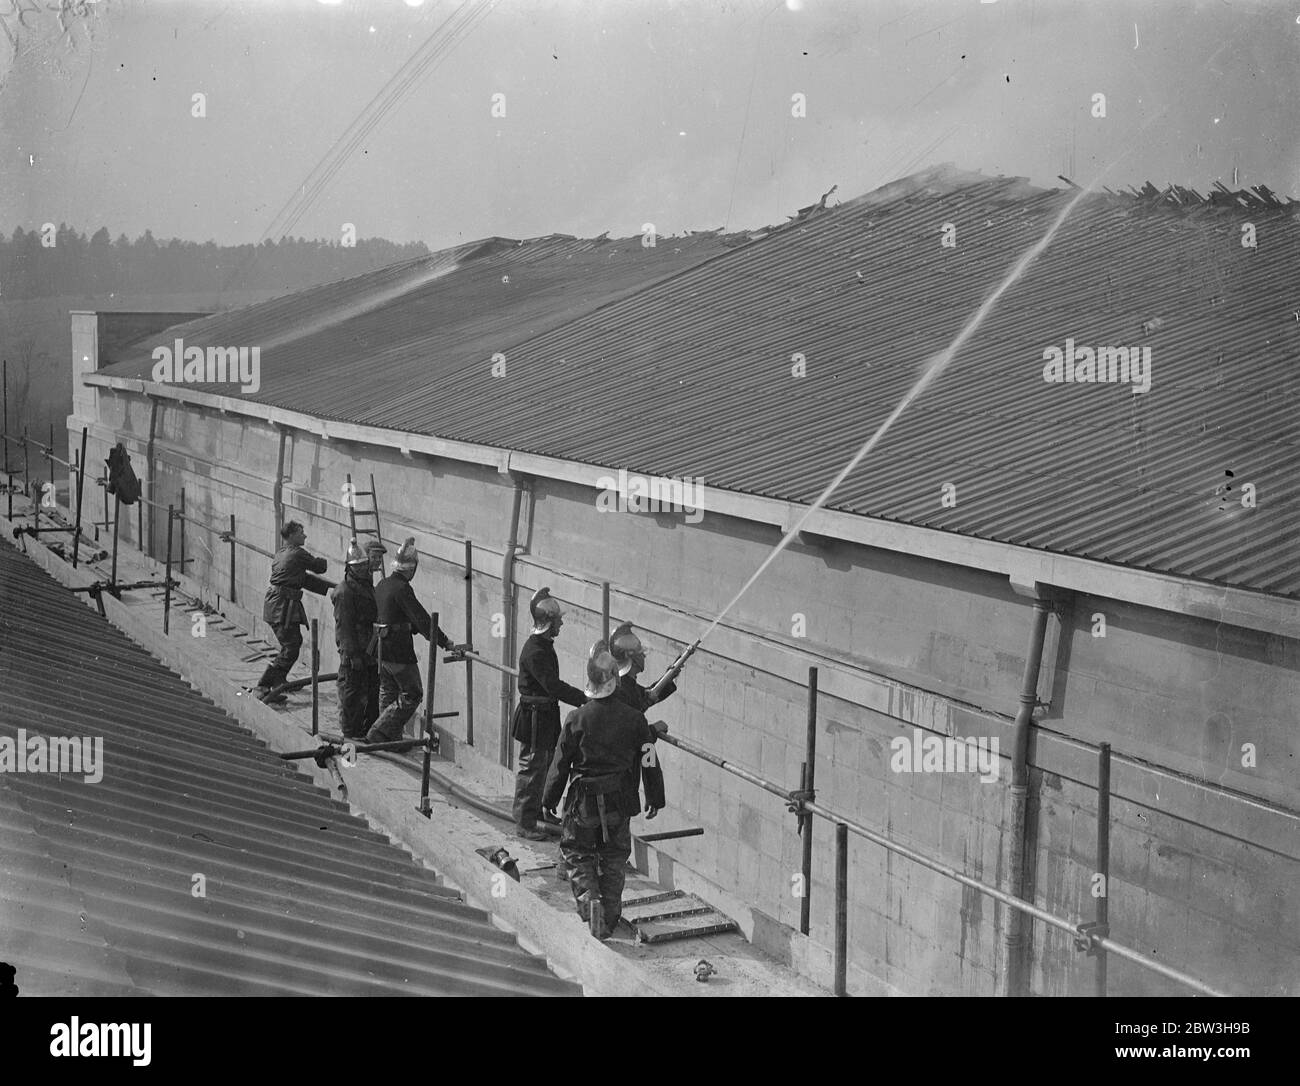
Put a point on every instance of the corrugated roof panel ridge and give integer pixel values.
(300, 896)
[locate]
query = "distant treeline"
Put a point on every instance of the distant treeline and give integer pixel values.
(75, 264)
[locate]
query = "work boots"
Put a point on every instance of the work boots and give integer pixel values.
(583, 902)
(387, 728)
(269, 697)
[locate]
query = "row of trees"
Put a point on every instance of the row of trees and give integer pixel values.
(31, 267)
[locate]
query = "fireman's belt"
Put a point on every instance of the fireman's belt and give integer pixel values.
(602, 785)
(533, 699)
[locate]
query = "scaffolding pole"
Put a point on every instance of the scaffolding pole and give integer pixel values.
(117, 509)
(167, 591)
(425, 808)
(81, 486)
(947, 870)
(1103, 861)
(469, 640)
(841, 909)
(808, 785)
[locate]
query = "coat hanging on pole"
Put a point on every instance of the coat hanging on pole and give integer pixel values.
(121, 478)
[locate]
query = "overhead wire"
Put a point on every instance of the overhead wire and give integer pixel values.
(435, 49)
(440, 43)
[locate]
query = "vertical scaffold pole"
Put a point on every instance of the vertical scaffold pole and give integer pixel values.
(315, 673)
(49, 468)
(469, 640)
(807, 784)
(231, 596)
(841, 908)
(167, 589)
(425, 808)
(117, 509)
(1103, 859)
(81, 486)
(27, 477)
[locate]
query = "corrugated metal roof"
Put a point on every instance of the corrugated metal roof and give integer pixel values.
(301, 896)
(369, 349)
(691, 375)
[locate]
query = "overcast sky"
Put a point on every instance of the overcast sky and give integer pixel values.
(619, 112)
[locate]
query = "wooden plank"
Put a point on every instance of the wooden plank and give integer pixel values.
(650, 896)
(665, 910)
(683, 927)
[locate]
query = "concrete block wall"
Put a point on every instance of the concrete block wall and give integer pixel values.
(1200, 690)
(1188, 894)
(1181, 865)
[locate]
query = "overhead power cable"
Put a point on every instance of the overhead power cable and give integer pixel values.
(440, 44)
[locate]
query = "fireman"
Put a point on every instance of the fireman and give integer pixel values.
(626, 648)
(282, 609)
(602, 747)
(400, 615)
(355, 613)
(536, 723)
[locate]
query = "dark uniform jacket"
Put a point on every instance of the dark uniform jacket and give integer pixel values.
(401, 612)
(355, 613)
(283, 604)
(602, 746)
(539, 678)
(632, 693)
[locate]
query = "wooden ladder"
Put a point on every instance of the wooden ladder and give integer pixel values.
(354, 513)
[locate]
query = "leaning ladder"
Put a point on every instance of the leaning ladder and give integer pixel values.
(354, 513)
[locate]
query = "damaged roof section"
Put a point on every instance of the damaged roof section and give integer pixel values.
(187, 859)
(362, 349)
(763, 367)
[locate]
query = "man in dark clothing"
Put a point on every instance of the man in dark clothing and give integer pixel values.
(628, 653)
(625, 647)
(603, 745)
(282, 609)
(355, 613)
(400, 615)
(536, 724)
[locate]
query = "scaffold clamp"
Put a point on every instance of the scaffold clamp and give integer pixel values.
(797, 801)
(1086, 940)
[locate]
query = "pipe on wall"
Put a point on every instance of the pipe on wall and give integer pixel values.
(1013, 974)
(508, 613)
(277, 494)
